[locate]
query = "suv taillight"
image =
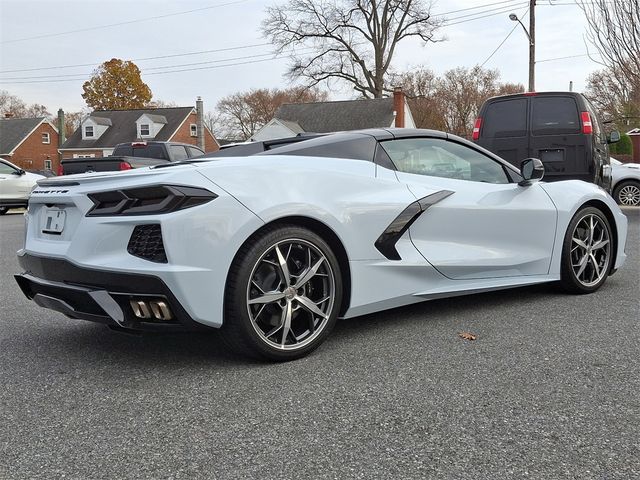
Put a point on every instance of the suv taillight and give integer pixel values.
(60, 170)
(125, 166)
(587, 126)
(476, 128)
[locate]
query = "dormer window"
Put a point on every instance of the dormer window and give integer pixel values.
(144, 130)
(194, 130)
(88, 131)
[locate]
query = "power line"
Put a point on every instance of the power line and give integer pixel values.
(509, 9)
(514, 5)
(128, 22)
(563, 58)
(473, 8)
(503, 41)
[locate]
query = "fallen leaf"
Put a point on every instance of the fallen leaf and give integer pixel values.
(467, 335)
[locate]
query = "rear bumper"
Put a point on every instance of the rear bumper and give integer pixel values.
(99, 296)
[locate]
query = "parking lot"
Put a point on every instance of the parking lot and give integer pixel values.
(548, 390)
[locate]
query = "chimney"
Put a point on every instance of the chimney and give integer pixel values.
(61, 132)
(398, 106)
(200, 122)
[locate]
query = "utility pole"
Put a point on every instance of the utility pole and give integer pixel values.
(532, 45)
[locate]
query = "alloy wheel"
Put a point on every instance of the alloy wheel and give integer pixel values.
(290, 295)
(629, 195)
(590, 250)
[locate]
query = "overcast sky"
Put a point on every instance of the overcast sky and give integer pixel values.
(82, 32)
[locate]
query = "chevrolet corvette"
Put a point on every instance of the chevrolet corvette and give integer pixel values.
(272, 247)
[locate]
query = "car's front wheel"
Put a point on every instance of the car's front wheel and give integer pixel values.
(587, 253)
(627, 193)
(283, 294)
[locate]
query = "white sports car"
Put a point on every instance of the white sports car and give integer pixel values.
(272, 248)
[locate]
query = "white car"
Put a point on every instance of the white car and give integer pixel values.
(625, 182)
(272, 248)
(15, 186)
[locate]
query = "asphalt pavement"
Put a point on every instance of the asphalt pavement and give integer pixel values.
(550, 389)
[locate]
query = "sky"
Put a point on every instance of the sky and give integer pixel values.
(37, 35)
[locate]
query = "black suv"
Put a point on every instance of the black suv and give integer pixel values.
(560, 128)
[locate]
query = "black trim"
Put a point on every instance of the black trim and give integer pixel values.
(386, 242)
(62, 286)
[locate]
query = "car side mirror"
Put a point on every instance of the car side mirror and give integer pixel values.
(19, 172)
(613, 137)
(531, 171)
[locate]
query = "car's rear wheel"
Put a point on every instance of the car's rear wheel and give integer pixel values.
(283, 294)
(587, 253)
(627, 193)
(3, 210)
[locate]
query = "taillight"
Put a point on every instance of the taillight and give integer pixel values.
(125, 166)
(587, 126)
(476, 128)
(60, 170)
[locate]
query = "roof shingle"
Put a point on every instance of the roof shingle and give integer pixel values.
(13, 131)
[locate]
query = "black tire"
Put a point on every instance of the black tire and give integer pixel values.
(599, 261)
(3, 210)
(627, 193)
(246, 326)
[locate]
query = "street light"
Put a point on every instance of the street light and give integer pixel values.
(532, 46)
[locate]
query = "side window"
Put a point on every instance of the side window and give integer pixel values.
(554, 115)
(6, 169)
(507, 118)
(441, 158)
(194, 152)
(178, 152)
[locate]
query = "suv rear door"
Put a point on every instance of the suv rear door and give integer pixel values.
(557, 138)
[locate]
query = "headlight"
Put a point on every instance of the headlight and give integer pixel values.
(148, 200)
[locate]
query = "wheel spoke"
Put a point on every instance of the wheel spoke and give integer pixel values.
(268, 297)
(579, 242)
(582, 264)
(594, 262)
(601, 244)
(286, 323)
(309, 273)
(282, 261)
(310, 305)
(591, 230)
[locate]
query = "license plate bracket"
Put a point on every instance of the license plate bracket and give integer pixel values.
(53, 221)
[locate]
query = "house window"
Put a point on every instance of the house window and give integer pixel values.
(46, 138)
(194, 130)
(144, 130)
(88, 131)
(47, 164)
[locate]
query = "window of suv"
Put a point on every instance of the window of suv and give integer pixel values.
(442, 158)
(505, 118)
(554, 115)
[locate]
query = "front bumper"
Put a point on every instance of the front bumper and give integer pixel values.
(99, 296)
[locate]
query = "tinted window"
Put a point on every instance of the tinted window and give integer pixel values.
(353, 146)
(178, 152)
(507, 118)
(151, 151)
(441, 158)
(554, 115)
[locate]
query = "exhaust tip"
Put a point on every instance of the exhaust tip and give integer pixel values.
(146, 309)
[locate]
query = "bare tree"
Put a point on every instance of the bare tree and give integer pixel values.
(350, 40)
(614, 30)
(241, 114)
(451, 102)
(613, 97)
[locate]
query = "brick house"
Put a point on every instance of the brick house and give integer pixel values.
(29, 143)
(102, 130)
(323, 117)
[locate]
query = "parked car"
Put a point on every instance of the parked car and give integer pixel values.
(560, 128)
(626, 182)
(15, 186)
(272, 248)
(126, 156)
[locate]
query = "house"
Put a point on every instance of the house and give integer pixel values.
(29, 143)
(322, 117)
(102, 130)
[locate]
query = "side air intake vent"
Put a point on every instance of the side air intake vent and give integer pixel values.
(146, 242)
